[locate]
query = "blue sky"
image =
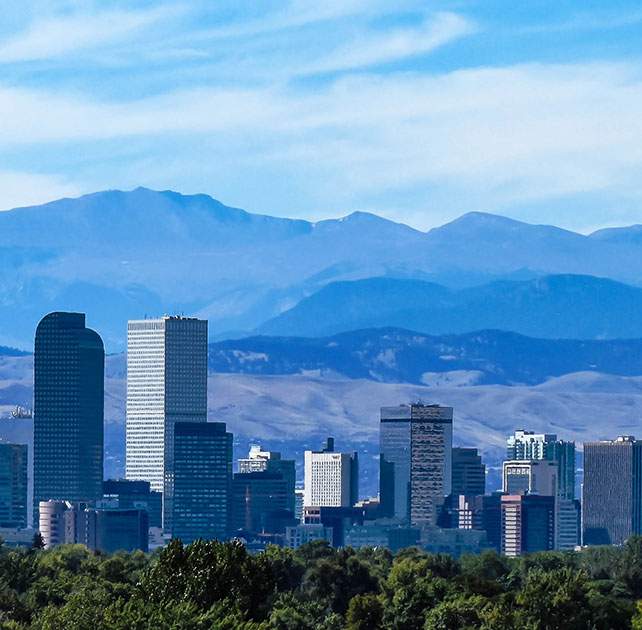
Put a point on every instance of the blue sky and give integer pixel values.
(418, 111)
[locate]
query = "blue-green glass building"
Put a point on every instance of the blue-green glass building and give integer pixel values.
(69, 364)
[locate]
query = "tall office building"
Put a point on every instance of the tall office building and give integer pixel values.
(534, 477)
(330, 479)
(415, 461)
(166, 384)
(468, 472)
(13, 485)
(527, 445)
(612, 491)
(68, 415)
(259, 460)
(528, 523)
(202, 482)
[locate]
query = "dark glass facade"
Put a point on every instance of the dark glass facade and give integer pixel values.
(69, 361)
(13, 485)
(135, 494)
(261, 502)
(415, 461)
(611, 501)
(528, 524)
(107, 530)
(202, 481)
(469, 473)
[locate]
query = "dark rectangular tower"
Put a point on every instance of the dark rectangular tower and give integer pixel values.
(202, 481)
(415, 461)
(611, 501)
(13, 485)
(469, 473)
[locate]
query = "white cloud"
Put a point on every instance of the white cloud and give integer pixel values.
(57, 36)
(497, 136)
(298, 13)
(24, 189)
(390, 46)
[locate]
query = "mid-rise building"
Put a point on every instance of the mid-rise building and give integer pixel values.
(130, 494)
(100, 529)
(166, 384)
(336, 519)
(480, 512)
(528, 523)
(13, 485)
(612, 491)
(468, 472)
(259, 460)
(107, 529)
(51, 522)
(202, 481)
(527, 445)
(330, 478)
(304, 534)
(68, 415)
(415, 461)
(454, 542)
(569, 519)
(534, 477)
(261, 502)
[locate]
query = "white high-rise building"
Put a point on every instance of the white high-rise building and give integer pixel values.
(330, 479)
(166, 384)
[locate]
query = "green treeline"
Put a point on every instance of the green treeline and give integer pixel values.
(220, 586)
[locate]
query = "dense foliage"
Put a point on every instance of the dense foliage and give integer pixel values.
(220, 586)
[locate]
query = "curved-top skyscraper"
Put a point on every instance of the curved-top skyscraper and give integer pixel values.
(69, 368)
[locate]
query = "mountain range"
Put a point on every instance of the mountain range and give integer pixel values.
(555, 307)
(118, 255)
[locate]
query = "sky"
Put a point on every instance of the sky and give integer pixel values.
(418, 111)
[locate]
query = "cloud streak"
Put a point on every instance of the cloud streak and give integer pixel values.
(59, 36)
(509, 135)
(387, 47)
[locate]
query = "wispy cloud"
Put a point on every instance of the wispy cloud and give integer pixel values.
(498, 136)
(296, 14)
(390, 46)
(57, 36)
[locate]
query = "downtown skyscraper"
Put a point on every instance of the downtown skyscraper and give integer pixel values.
(166, 384)
(415, 461)
(69, 366)
(612, 491)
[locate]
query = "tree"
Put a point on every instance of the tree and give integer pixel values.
(554, 599)
(456, 614)
(365, 612)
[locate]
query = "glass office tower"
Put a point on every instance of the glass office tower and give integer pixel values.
(69, 365)
(612, 491)
(166, 384)
(202, 481)
(13, 485)
(415, 461)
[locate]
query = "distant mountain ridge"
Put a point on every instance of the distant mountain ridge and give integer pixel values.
(402, 356)
(556, 307)
(118, 255)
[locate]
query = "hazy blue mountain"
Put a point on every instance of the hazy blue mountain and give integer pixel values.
(119, 255)
(564, 306)
(402, 356)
